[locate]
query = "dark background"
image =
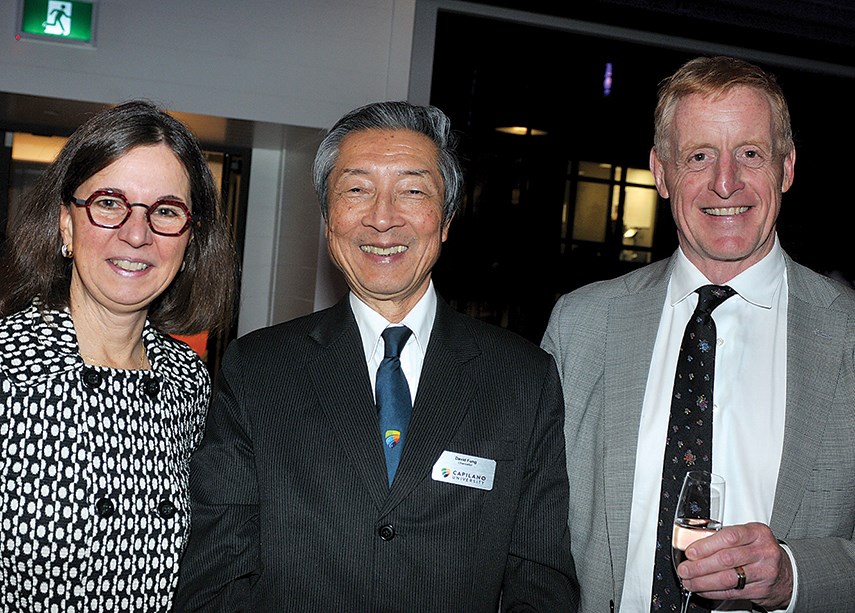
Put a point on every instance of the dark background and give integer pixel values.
(504, 260)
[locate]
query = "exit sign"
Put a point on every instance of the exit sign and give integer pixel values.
(66, 21)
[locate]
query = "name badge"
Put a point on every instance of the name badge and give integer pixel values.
(466, 470)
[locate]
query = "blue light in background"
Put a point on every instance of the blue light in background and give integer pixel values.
(607, 79)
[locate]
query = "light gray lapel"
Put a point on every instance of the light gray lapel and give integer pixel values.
(813, 361)
(632, 326)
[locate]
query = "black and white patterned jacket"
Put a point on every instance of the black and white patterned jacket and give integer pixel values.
(94, 465)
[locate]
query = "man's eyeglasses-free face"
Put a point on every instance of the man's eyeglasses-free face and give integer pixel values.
(109, 209)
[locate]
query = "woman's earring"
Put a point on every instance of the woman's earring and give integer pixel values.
(183, 266)
(66, 251)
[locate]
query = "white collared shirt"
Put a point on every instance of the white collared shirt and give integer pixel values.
(749, 404)
(419, 320)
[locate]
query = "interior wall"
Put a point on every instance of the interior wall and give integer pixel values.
(285, 62)
(290, 66)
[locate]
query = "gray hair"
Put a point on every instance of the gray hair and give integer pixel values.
(427, 120)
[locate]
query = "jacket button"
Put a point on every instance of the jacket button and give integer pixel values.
(387, 532)
(105, 507)
(91, 377)
(151, 387)
(166, 509)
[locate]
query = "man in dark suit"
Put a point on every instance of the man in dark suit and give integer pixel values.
(294, 505)
(784, 377)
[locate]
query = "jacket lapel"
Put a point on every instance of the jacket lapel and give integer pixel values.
(340, 378)
(446, 388)
(813, 361)
(632, 327)
(445, 393)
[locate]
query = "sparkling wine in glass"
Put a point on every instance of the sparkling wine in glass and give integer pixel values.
(700, 511)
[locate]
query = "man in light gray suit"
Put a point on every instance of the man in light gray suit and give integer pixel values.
(784, 403)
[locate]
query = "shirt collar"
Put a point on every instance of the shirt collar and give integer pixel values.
(757, 284)
(371, 324)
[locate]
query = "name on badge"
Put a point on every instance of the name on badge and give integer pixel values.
(466, 470)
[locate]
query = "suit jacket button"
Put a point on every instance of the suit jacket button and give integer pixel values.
(387, 532)
(91, 377)
(151, 387)
(105, 507)
(166, 509)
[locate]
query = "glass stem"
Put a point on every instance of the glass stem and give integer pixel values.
(686, 596)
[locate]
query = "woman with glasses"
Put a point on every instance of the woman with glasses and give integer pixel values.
(120, 244)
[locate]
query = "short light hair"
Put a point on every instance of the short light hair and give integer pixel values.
(710, 76)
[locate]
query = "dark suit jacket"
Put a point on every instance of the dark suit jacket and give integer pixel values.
(602, 337)
(291, 509)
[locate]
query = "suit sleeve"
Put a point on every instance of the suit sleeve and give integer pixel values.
(826, 568)
(540, 574)
(822, 535)
(221, 562)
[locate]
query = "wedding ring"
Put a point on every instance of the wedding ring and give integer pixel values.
(740, 582)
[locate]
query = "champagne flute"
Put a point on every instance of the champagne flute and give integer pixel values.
(700, 511)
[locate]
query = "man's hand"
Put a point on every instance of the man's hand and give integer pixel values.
(710, 569)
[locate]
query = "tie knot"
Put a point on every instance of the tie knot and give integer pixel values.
(394, 339)
(712, 296)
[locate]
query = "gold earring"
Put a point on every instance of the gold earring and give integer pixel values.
(66, 251)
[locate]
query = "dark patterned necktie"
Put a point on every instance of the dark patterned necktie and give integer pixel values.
(688, 445)
(393, 397)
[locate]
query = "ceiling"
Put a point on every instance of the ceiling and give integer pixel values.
(822, 30)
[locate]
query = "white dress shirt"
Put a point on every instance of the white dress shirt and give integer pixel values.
(749, 403)
(419, 320)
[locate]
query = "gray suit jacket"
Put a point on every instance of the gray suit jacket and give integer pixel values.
(602, 338)
(291, 508)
